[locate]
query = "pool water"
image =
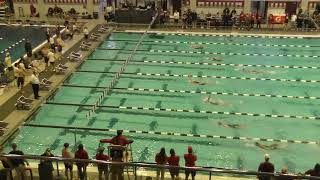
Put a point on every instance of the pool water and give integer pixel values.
(265, 91)
(10, 35)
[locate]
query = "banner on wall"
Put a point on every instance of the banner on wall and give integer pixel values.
(279, 19)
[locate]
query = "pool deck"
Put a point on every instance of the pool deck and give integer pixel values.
(15, 118)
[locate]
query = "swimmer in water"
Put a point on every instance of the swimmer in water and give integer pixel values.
(197, 47)
(209, 100)
(268, 147)
(257, 71)
(195, 82)
(215, 59)
(233, 126)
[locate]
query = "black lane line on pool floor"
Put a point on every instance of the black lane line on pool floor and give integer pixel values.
(206, 63)
(193, 111)
(208, 76)
(212, 43)
(176, 134)
(200, 92)
(214, 53)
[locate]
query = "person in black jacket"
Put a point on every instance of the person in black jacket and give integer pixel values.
(28, 48)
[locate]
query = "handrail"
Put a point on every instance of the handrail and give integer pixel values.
(151, 165)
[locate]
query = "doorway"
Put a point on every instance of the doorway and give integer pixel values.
(176, 5)
(260, 8)
(291, 8)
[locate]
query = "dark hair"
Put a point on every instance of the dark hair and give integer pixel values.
(119, 132)
(80, 147)
(317, 167)
(66, 145)
(172, 152)
(162, 152)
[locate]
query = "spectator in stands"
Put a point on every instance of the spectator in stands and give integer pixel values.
(194, 18)
(28, 48)
(270, 21)
(259, 21)
(8, 62)
(82, 167)
(18, 164)
(176, 16)
(286, 22)
(35, 83)
(225, 16)
(86, 32)
(284, 171)
(33, 10)
(242, 20)
(173, 160)
(252, 19)
(161, 159)
(68, 166)
(233, 12)
(299, 19)
(102, 168)
(266, 166)
(190, 161)
(315, 171)
(58, 30)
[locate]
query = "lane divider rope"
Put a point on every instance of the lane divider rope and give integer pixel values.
(201, 92)
(214, 53)
(218, 43)
(194, 111)
(233, 35)
(120, 71)
(178, 134)
(13, 45)
(213, 64)
(209, 76)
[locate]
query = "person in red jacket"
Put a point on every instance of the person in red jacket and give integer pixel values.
(173, 160)
(190, 161)
(161, 159)
(82, 167)
(102, 168)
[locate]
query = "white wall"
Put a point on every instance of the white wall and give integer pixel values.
(214, 10)
(276, 11)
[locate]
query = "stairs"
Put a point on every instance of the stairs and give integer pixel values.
(2, 12)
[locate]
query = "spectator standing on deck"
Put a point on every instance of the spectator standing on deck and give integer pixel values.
(68, 166)
(35, 83)
(48, 34)
(8, 62)
(86, 32)
(161, 159)
(21, 73)
(82, 167)
(102, 168)
(267, 167)
(259, 21)
(176, 16)
(51, 42)
(28, 48)
(173, 160)
(315, 171)
(18, 164)
(190, 161)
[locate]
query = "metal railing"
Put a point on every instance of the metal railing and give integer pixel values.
(210, 171)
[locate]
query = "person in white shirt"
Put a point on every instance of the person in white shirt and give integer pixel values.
(68, 166)
(176, 16)
(7, 62)
(51, 41)
(35, 82)
(51, 58)
(86, 32)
